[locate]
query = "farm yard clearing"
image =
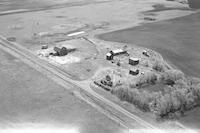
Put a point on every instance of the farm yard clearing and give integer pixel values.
(80, 61)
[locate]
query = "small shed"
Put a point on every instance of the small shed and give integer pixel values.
(144, 52)
(133, 71)
(133, 61)
(109, 56)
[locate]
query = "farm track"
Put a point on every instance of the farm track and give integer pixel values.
(112, 110)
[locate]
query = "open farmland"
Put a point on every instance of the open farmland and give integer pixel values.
(33, 100)
(58, 38)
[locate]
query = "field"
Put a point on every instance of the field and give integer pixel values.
(194, 3)
(7, 5)
(36, 100)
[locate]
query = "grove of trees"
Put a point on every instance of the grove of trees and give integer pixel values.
(180, 94)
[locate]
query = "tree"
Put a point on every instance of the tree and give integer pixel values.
(170, 76)
(158, 66)
(147, 78)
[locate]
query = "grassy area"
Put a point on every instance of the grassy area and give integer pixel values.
(192, 118)
(194, 3)
(162, 7)
(34, 99)
(154, 88)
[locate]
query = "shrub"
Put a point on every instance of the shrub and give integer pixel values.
(158, 66)
(140, 99)
(165, 105)
(145, 63)
(193, 81)
(148, 78)
(180, 98)
(173, 102)
(171, 76)
(151, 77)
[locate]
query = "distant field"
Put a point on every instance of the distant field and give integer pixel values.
(193, 116)
(178, 40)
(194, 3)
(6, 5)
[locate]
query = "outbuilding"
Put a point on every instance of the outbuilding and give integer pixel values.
(61, 51)
(133, 61)
(133, 71)
(109, 56)
(145, 53)
(118, 52)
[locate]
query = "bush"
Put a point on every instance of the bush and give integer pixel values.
(158, 66)
(173, 102)
(145, 63)
(179, 98)
(148, 78)
(140, 99)
(193, 81)
(165, 105)
(171, 76)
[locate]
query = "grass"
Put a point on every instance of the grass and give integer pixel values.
(192, 118)
(194, 3)
(154, 88)
(29, 97)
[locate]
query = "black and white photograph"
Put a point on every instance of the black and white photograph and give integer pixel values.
(100, 66)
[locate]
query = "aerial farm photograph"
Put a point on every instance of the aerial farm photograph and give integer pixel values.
(100, 66)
